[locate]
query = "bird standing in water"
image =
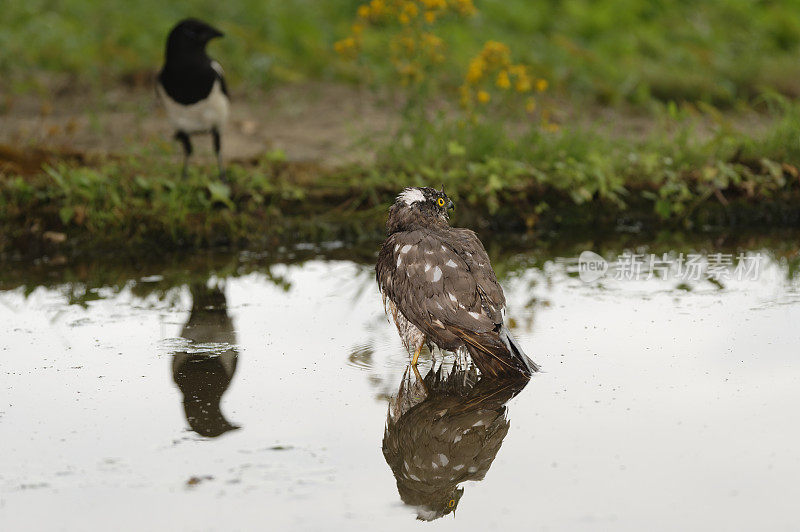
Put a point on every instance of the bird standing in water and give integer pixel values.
(192, 88)
(439, 287)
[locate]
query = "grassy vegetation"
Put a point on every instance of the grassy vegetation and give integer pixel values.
(673, 169)
(720, 51)
(102, 43)
(478, 117)
(539, 181)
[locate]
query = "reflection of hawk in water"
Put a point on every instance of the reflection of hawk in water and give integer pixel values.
(205, 370)
(443, 431)
(438, 285)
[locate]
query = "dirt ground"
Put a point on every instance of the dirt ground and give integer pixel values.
(328, 124)
(324, 123)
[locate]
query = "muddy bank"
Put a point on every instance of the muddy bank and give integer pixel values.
(285, 203)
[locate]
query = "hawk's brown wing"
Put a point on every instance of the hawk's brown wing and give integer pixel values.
(435, 286)
(474, 255)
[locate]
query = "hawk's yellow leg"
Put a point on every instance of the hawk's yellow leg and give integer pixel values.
(416, 354)
(419, 377)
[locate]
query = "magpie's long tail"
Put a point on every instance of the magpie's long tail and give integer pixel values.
(498, 354)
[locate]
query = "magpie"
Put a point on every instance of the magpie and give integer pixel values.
(192, 87)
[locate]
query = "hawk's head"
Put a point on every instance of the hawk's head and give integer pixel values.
(419, 206)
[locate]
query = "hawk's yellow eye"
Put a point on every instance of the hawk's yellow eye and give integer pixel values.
(440, 201)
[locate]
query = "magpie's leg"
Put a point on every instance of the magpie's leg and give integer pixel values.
(218, 150)
(183, 138)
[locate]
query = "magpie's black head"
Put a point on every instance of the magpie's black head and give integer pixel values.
(190, 35)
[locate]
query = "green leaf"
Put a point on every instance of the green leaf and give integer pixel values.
(663, 208)
(55, 174)
(66, 214)
(276, 155)
(455, 149)
(494, 183)
(143, 183)
(220, 193)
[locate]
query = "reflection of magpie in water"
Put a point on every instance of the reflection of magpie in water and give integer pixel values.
(443, 430)
(204, 375)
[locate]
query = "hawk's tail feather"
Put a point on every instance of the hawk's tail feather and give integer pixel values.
(516, 350)
(497, 354)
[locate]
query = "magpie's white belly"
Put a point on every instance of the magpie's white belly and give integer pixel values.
(200, 117)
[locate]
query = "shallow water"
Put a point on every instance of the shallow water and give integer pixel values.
(664, 403)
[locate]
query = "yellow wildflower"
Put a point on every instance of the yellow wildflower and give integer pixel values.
(377, 8)
(517, 70)
(430, 40)
(363, 11)
(430, 17)
(463, 7)
(484, 96)
(523, 84)
(541, 85)
(495, 52)
(530, 105)
(346, 46)
(432, 46)
(475, 70)
(502, 80)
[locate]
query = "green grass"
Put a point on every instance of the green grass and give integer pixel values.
(102, 42)
(537, 181)
(718, 51)
(673, 166)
